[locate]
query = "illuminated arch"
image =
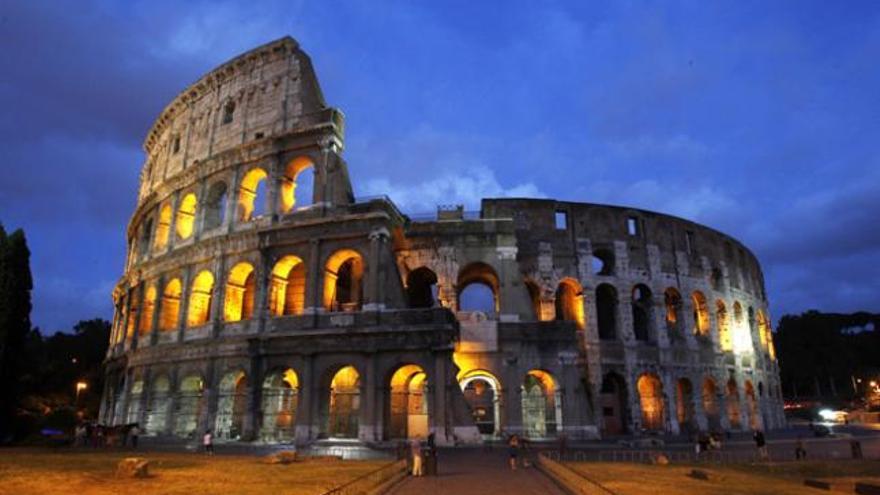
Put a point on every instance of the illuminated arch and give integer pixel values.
(170, 311)
(710, 404)
(470, 279)
(673, 304)
(296, 184)
(752, 403)
(482, 392)
(253, 182)
(570, 302)
(190, 404)
(231, 405)
(146, 325)
(215, 205)
(186, 216)
(343, 281)
(541, 405)
(684, 404)
(701, 314)
(160, 400)
(733, 415)
(534, 291)
(287, 287)
(724, 333)
(280, 402)
(344, 406)
(134, 401)
(133, 314)
(200, 299)
(408, 403)
(240, 289)
(651, 400)
(163, 229)
(765, 333)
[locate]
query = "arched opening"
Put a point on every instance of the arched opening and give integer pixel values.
(287, 287)
(146, 324)
(280, 401)
(133, 313)
(673, 304)
(642, 308)
(603, 262)
(724, 335)
(190, 403)
(297, 185)
(252, 195)
(163, 229)
(651, 399)
(535, 297)
(345, 403)
(684, 405)
(766, 334)
(541, 405)
(421, 288)
(186, 216)
(408, 403)
(570, 303)
(215, 205)
(606, 311)
(752, 403)
(733, 405)
(612, 398)
(231, 405)
(157, 414)
(701, 314)
(135, 395)
(716, 279)
(478, 289)
(200, 299)
(482, 392)
(145, 237)
(710, 404)
(343, 281)
(170, 311)
(240, 291)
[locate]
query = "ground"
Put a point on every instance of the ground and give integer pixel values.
(71, 472)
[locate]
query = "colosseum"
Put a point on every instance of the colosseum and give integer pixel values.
(264, 300)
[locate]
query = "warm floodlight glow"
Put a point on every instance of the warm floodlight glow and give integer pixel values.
(200, 299)
(287, 287)
(288, 198)
(186, 216)
(240, 289)
(247, 194)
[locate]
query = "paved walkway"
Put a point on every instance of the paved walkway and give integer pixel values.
(479, 472)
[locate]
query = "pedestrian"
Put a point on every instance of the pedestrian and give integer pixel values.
(80, 435)
(99, 436)
(134, 432)
(799, 451)
(208, 442)
(513, 451)
(415, 448)
(761, 444)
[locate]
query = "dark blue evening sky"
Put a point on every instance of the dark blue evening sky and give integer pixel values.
(760, 119)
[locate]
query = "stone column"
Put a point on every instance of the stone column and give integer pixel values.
(157, 310)
(230, 216)
(373, 294)
(184, 303)
(670, 386)
(173, 400)
(274, 182)
(313, 296)
(368, 422)
(172, 225)
(254, 391)
(201, 203)
(261, 304)
(218, 293)
(305, 417)
(208, 413)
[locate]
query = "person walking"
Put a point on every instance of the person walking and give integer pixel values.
(415, 447)
(761, 444)
(799, 451)
(513, 451)
(208, 442)
(133, 433)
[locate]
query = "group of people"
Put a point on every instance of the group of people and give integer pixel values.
(95, 435)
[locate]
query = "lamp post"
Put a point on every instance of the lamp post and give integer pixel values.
(80, 386)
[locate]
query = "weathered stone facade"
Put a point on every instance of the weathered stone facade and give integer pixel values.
(265, 311)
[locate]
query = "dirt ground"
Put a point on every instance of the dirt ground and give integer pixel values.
(71, 472)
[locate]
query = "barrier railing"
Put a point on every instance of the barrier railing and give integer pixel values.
(372, 482)
(573, 481)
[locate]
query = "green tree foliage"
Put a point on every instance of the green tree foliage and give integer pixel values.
(821, 353)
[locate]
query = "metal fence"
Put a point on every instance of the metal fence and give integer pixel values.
(368, 483)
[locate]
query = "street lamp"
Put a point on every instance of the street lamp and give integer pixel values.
(80, 386)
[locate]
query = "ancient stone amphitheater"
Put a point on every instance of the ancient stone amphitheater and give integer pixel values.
(263, 300)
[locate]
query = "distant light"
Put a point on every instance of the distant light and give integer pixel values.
(827, 414)
(80, 386)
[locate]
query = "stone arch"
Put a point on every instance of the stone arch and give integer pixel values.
(240, 292)
(146, 325)
(186, 216)
(613, 401)
(642, 309)
(252, 194)
(170, 310)
(733, 415)
(603, 261)
(541, 405)
(570, 302)
(475, 282)
(215, 205)
(160, 399)
(297, 184)
(135, 394)
(752, 403)
(650, 390)
(673, 304)
(287, 286)
(534, 291)
(343, 281)
(200, 295)
(407, 405)
(723, 322)
(231, 405)
(190, 406)
(606, 311)
(716, 279)
(145, 237)
(343, 396)
(710, 404)
(280, 405)
(163, 228)
(482, 392)
(684, 405)
(421, 288)
(701, 314)
(765, 333)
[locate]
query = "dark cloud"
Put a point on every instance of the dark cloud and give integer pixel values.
(756, 120)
